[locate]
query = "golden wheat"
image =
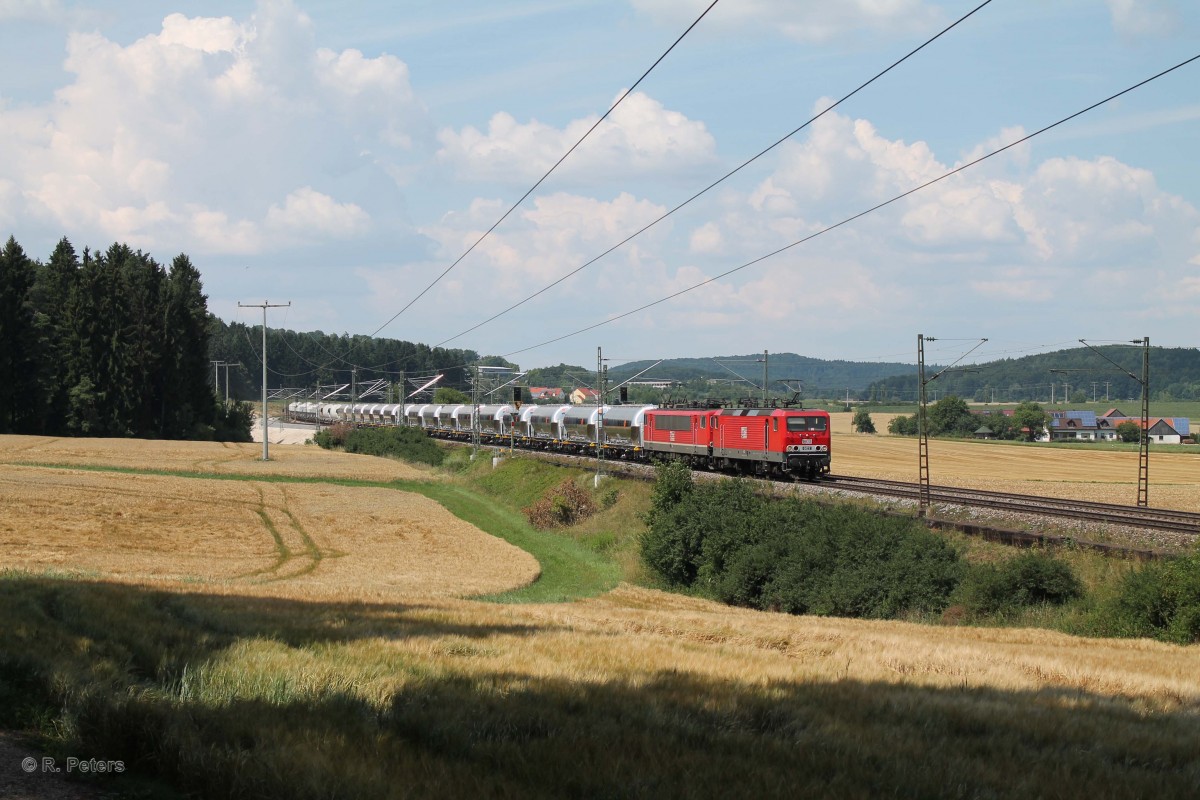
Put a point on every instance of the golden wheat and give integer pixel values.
(301, 461)
(1087, 473)
(301, 541)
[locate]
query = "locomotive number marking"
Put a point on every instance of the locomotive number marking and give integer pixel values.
(807, 441)
(672, 436)
(744, 435)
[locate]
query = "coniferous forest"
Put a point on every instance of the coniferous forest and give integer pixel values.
(107, 343)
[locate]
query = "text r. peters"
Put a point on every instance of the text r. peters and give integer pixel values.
(83, 765)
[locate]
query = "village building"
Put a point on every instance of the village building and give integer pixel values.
(583, 395)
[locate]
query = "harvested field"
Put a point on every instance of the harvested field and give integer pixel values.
(1101, 475)
(283, 540)
(314, 638)
(291, 460)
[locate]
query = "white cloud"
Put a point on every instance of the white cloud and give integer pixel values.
(50, 12)
(1019, 232)
(198, 135)
(307, 212)
(706, 239)
(640, 137)
(802, 20)
(1138, 19)
(552, 236)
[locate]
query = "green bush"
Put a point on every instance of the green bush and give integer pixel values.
(1160, 600)
(1030, 579)
(723, 541)
(409, 444)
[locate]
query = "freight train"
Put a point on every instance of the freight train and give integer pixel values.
(767, 442)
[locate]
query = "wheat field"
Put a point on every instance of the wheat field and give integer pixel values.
(334, 626)
(310, 541)
(1083, 472)
(368, 544)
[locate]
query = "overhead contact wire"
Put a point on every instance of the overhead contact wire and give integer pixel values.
(724, 177)
(533, 188)
(860, 214)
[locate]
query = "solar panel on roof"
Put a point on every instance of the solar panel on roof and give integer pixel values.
(1087, 418)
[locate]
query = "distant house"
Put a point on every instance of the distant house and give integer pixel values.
(1106, 428)
(1073, 426)
(1167, 430)
(543, 393)
(583, 395)
(985, 432)
(1086, 426)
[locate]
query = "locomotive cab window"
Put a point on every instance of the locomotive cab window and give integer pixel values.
(775, 425)
(702, 421)
(805, 424)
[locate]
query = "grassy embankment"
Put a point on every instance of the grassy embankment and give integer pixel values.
(638, 694)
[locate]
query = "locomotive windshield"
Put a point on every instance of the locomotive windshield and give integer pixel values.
(804, 424)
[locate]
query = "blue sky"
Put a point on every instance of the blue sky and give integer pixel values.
(341, 155)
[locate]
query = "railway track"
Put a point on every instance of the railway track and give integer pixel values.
(1109, 513)
(1160, 519)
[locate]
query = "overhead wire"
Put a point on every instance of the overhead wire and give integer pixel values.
(540, 180)
(724, 177)
(860, 214)
(343, 358)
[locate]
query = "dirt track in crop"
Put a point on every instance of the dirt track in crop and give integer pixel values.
(309, 541)
(403, 564)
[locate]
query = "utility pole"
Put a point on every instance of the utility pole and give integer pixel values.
(1144, 451)
(475, 414)
(599, 413)
(216, 378)
(764, 378)
(923, 500)
(922, 432)
(401, 399)
(264, 306)
(1143, 496)
(227, 365)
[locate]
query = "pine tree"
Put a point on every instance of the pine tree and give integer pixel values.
(19, 401)
(142, 342)
(52, 293)
(188, 399)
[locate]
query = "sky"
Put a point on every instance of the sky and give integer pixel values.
(341, 156)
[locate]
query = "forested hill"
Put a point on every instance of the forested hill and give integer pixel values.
(820, 378)
(303, 360)
(1076, 375)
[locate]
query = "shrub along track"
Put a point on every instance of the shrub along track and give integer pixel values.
(1180, 528)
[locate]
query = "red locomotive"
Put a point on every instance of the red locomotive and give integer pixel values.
(759, 441)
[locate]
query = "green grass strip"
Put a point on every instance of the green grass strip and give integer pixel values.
(569, 571)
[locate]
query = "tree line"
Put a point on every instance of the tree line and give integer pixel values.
(110, 343)
(1078, 375)
(305, 360)
(952, 417)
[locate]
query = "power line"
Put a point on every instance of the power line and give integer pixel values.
(343, 359)
(533, 188)
(724, 177)
(860, 214)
